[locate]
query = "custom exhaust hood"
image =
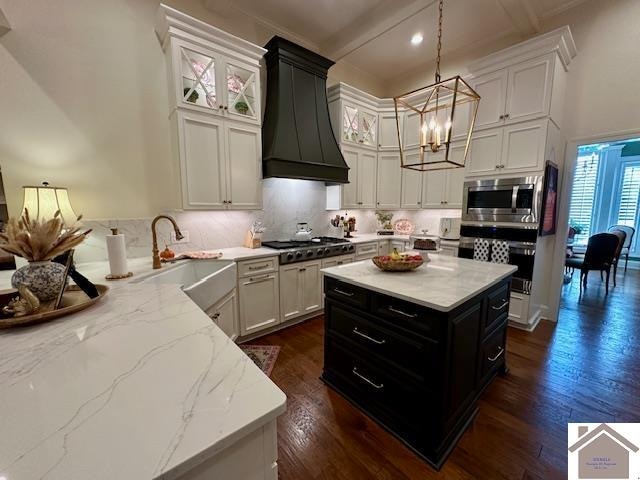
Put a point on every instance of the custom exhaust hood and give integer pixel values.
(297, 138)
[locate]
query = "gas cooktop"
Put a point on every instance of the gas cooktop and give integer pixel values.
(319, 247)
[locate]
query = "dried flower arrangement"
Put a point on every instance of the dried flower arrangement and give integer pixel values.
(40, 240)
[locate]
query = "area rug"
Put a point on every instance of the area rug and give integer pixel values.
(264, 356)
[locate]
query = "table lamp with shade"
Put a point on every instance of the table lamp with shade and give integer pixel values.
(44, 201)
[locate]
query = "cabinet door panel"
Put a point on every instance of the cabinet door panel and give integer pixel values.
(225, 315)
(523, 146)
(244, 166)
(259, 303)
(350, 190)
(529, 90)
(290, 291)
(350, 123)
(367, 179)
(389, 181)
(433, 188)
(455, 185)
(202, 160)
(411, 130)
(311, 287)
(242, 93)
(484, 153)
(368, 128)
(197, 78)
(492, 89)
(411, 185)
(388, 131)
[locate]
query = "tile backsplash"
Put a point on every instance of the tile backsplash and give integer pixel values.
(286, 202)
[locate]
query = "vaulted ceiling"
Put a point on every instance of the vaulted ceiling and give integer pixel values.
(374, 35)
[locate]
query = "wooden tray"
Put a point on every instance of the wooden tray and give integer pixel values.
(73, 300)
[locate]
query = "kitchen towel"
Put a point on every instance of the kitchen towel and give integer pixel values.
(481, 250)
(499, 252)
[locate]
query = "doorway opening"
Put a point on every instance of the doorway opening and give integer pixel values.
(605, 196)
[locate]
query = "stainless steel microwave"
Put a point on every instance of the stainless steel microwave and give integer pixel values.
(513, 200)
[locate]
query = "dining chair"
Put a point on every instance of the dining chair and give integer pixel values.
(630, 231)
(600, 254)
(622, 237)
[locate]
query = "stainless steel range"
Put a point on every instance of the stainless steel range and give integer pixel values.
(320, 247)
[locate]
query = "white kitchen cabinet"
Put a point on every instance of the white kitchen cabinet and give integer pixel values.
(455, 187)
(215, 110)
(300, 289)
(492, 88)
(339, 260)
(383, 247)
(258, 295)
(244, 166)
(411, 130)
(448, 250)
(201, 143)
(388, 192)
(388, 131)
(366, 251)
(411, 185)
(225, 315)
(434, 188)
(516, 93)
(485, 152)
(359, 125)
(400, 245)
(523, 146)
(528, 90)
(360, 192)
(220, 162)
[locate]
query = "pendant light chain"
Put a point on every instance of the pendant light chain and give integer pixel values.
(441, 3)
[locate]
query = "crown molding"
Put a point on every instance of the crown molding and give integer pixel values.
(559, 40)
(171, 23)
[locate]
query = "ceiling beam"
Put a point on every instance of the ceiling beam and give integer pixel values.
(4, 24)
(369, 27)
(522, 15)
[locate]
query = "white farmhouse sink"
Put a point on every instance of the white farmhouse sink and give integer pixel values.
(205, 281)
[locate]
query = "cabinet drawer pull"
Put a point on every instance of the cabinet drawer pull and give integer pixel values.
(364, 335)
(259, 267)
(259, 279)
(377, 386)
(497, 355)
(501, 306)
(400, 312)
(339, 263)
(342, 292)
(215, 316)
(302, 270)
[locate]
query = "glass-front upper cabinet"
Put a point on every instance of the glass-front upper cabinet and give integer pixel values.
(242, 89)
(212, 83)
(359, 126)
(198, 79)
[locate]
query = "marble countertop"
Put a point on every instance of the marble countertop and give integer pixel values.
(140, 386)
(442, 284)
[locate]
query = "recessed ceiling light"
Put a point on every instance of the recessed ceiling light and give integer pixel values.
(416, 39)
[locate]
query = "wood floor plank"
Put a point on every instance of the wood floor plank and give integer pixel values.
(585, 368)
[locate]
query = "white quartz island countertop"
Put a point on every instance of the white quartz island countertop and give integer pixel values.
(140, 386)
(442, 284)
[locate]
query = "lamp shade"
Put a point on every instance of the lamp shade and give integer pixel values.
(44, 201)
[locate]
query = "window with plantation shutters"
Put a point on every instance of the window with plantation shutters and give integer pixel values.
(629, 196)
(583, 195)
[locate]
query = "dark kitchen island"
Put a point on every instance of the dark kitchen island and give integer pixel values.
(415, 350)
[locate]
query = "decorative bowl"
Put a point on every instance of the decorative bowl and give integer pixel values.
(386, 264)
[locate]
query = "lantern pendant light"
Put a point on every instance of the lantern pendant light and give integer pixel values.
(433, 115)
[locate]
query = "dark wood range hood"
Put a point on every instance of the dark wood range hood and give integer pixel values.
(297, 138)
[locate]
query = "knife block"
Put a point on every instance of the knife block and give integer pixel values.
(252, 240)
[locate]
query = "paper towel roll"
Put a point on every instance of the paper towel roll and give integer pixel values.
(117, 253)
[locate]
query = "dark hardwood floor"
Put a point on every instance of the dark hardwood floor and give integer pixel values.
(586, 368)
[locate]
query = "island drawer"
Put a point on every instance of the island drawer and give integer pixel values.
(345, 293)
(247, 268)
(497, 306)
(380, 390)
(408, 315)
(416, 355)
(492, 352)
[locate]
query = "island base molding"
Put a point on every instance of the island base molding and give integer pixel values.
(416, 371)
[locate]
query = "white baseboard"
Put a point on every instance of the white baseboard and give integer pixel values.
(534, 320)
